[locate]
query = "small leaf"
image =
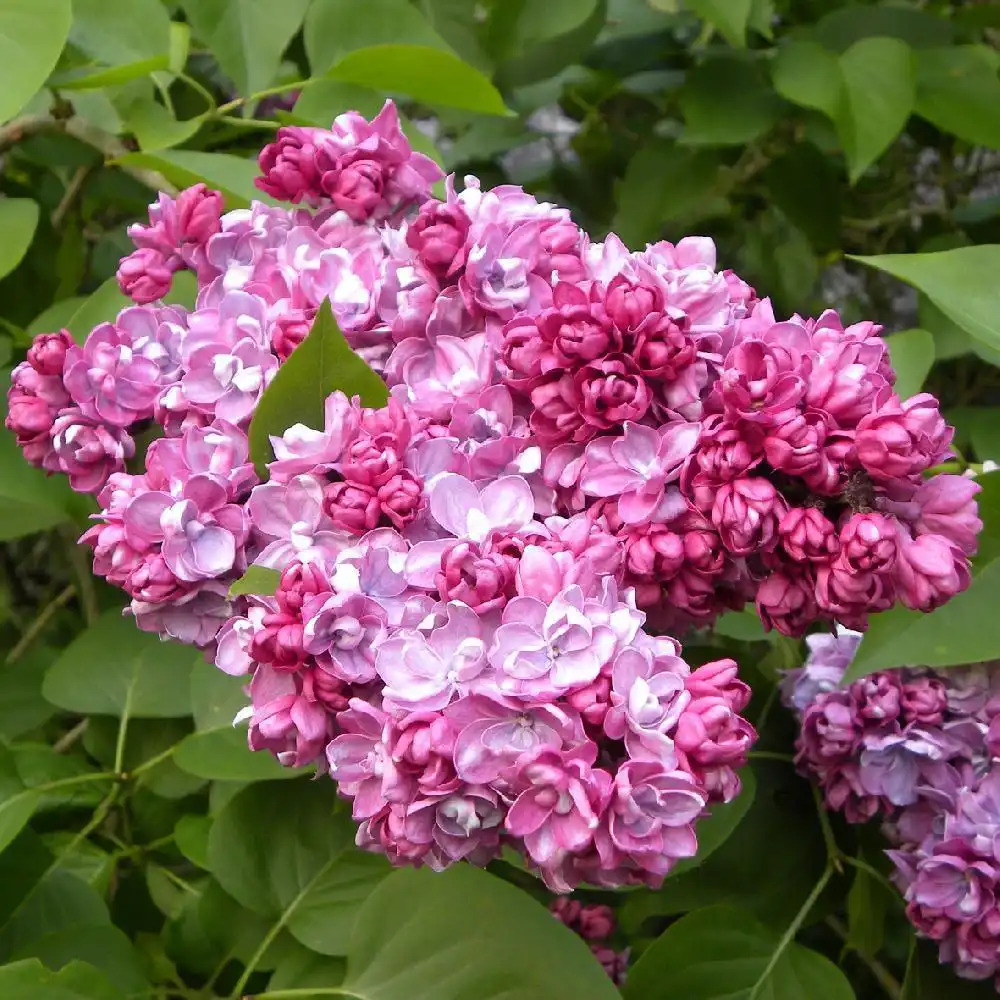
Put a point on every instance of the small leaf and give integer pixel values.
(191, 838)
(320, 365)
(880, 89)
(95, 672)
(156, 128)
(247, 37)
(222, 754)
(867, 908)
(962, 283)
(18, 219)
(726, 102)
(30, 980)
(32, 35)
(729, 16)
(721, 953)
(808, 75)
(257, 580)
(426, 74)
(232, 175)
(912, 355)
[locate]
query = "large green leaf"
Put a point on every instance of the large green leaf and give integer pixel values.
(729, 16)
(119, 32)
(912, 355)
(30, 980)
(809, 75)
(285, 852)
(962, 283)
(247, 37)
(958, 90)
(32, 34)
(18, 219)
(879, 93)
(232, 175)
(112, 664)
(321, 364)
(726, 102)
(334, 28)
(465, 935)
(17, 804)
(422, 72)
(723, 953)
(664, 183)
(100, 307)
(928, 978)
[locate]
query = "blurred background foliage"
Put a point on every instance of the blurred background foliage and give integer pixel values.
(795, 132)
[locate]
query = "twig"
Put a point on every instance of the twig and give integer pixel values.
(65, 741)
(885, 978)
(36, 627)
(70, 195)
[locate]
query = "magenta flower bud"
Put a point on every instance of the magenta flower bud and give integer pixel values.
(278, 642)
(596, 922)
(878, 697)
(720, 677)
(830, 728)
(29, 417)
(592, 701)
(352, 506)
(577, 333)
(484, 582)
(145, 275)
(326, 689)
(401, 498)
(746, 513)
(710, 733)
(727, 451)
(198, 209)
(902, 439)
(523, 352)
(924, 700)
(556, 411)
(653, 550)
(87, 451)
(289, 165)
(289, 331)
(611, 392)
(356, 188)
(929, 570)
(703, 550)
(947, 506)
(808, 535)
(786, 601)
(868, 543)
(48, 352)
(371, 461)
(849, 595)
(796, 446)
(630, 304)
(300, 581)
(614, 963)
(437, 235)
(153, 581)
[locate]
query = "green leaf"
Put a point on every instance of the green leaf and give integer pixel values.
(425, 74)
(156, 128)
(22, 706)
(416, 939)
(191, 838)
(56, 316)
(118, 32)
(780, 823)
(284, 852)
(958, 91)
(726, 102)
(232, 175)
(117, 75)
(807, 189)
(18, 219)
(222, 754)
(807, 74)
(321, 364)
(844, 26)
(717, 827)
(867, 908)
(723, 953)
(299, 969)
(927, 978)
(322, 100)
(101, 307)
(257, 580)
(112, 663)
(879, 93)
(912, 355)
(335, 28)
(247, 37)
(962, 283)
(17, 804)
(32, 35)
(30, 501)
(30, 980)
(729, 16)
(663, 183)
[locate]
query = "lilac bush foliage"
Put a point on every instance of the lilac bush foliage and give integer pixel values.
(916, 748)
(583, 448)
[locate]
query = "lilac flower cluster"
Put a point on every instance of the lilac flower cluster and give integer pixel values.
(583, 447)
(595, 923)
(918, 748)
